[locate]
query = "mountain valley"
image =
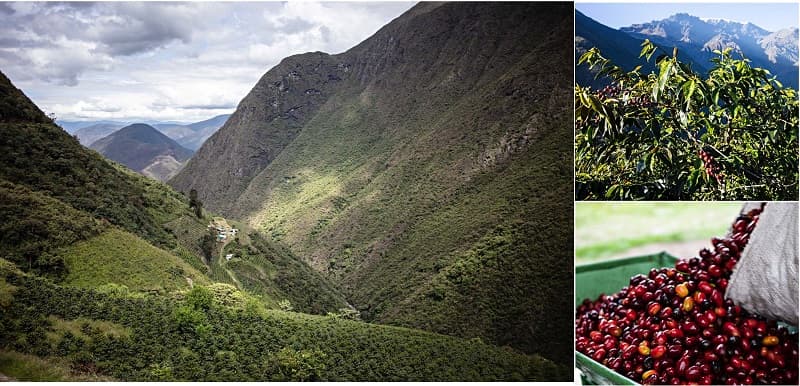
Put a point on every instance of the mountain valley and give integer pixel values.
(374, 168)
(400, 211)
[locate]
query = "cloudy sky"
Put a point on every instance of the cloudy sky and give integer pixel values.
(166, 61)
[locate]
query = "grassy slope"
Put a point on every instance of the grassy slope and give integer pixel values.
(602, 229)
(384, 189)
(30, 368)
(264, 267)
(244, 344)
(68, 244)
(508, 283)
(122, 258)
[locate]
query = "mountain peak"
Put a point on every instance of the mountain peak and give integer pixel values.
(144, 149)
(682, 16)
(435, 101)
(142, 132)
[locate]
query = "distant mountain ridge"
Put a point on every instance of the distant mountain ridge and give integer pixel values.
(188, 135)
(144, 149)
(697, 38)
(193, 135)
(89, 134)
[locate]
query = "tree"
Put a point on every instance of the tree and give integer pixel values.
(200, 298)
(198, 209)
(676, 135)
(195, 203)
(209, 246)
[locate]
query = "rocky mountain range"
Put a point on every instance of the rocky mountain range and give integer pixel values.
(696, 39)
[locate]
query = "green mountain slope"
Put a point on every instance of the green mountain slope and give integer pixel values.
(119, 257)
(393, 165)
(200, 338)
(35, 225)
(261, 267)
(44, 158)
(73, 216)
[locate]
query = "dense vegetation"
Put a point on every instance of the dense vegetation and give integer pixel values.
(677, 135)
(15, 106)
(208, 337)
(34, 225)
(268, 268)
(261, 267)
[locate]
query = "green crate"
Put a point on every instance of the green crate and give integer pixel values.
(608, 277)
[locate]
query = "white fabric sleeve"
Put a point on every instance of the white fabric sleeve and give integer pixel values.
(764, 280)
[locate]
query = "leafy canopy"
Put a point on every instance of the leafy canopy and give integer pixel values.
(676, 135)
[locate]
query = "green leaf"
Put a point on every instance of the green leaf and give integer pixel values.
(648, 48)
(612, 191)
(772, 134)
(595, 104)
(683, 119)
(652, 163)
(666, 68)
(692, 86)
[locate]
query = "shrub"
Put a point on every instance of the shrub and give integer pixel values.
(678, 135)
(292, 365)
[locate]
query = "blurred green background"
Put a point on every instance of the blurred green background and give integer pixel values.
(606, 230)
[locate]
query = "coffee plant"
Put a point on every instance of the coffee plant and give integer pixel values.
(676, 135)
(195, 337)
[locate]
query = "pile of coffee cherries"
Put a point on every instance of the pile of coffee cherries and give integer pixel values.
(712, 167)
(674, 326)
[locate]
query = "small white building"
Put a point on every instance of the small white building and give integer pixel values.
(228, 257)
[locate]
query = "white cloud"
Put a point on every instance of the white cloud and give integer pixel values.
(166, 61)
